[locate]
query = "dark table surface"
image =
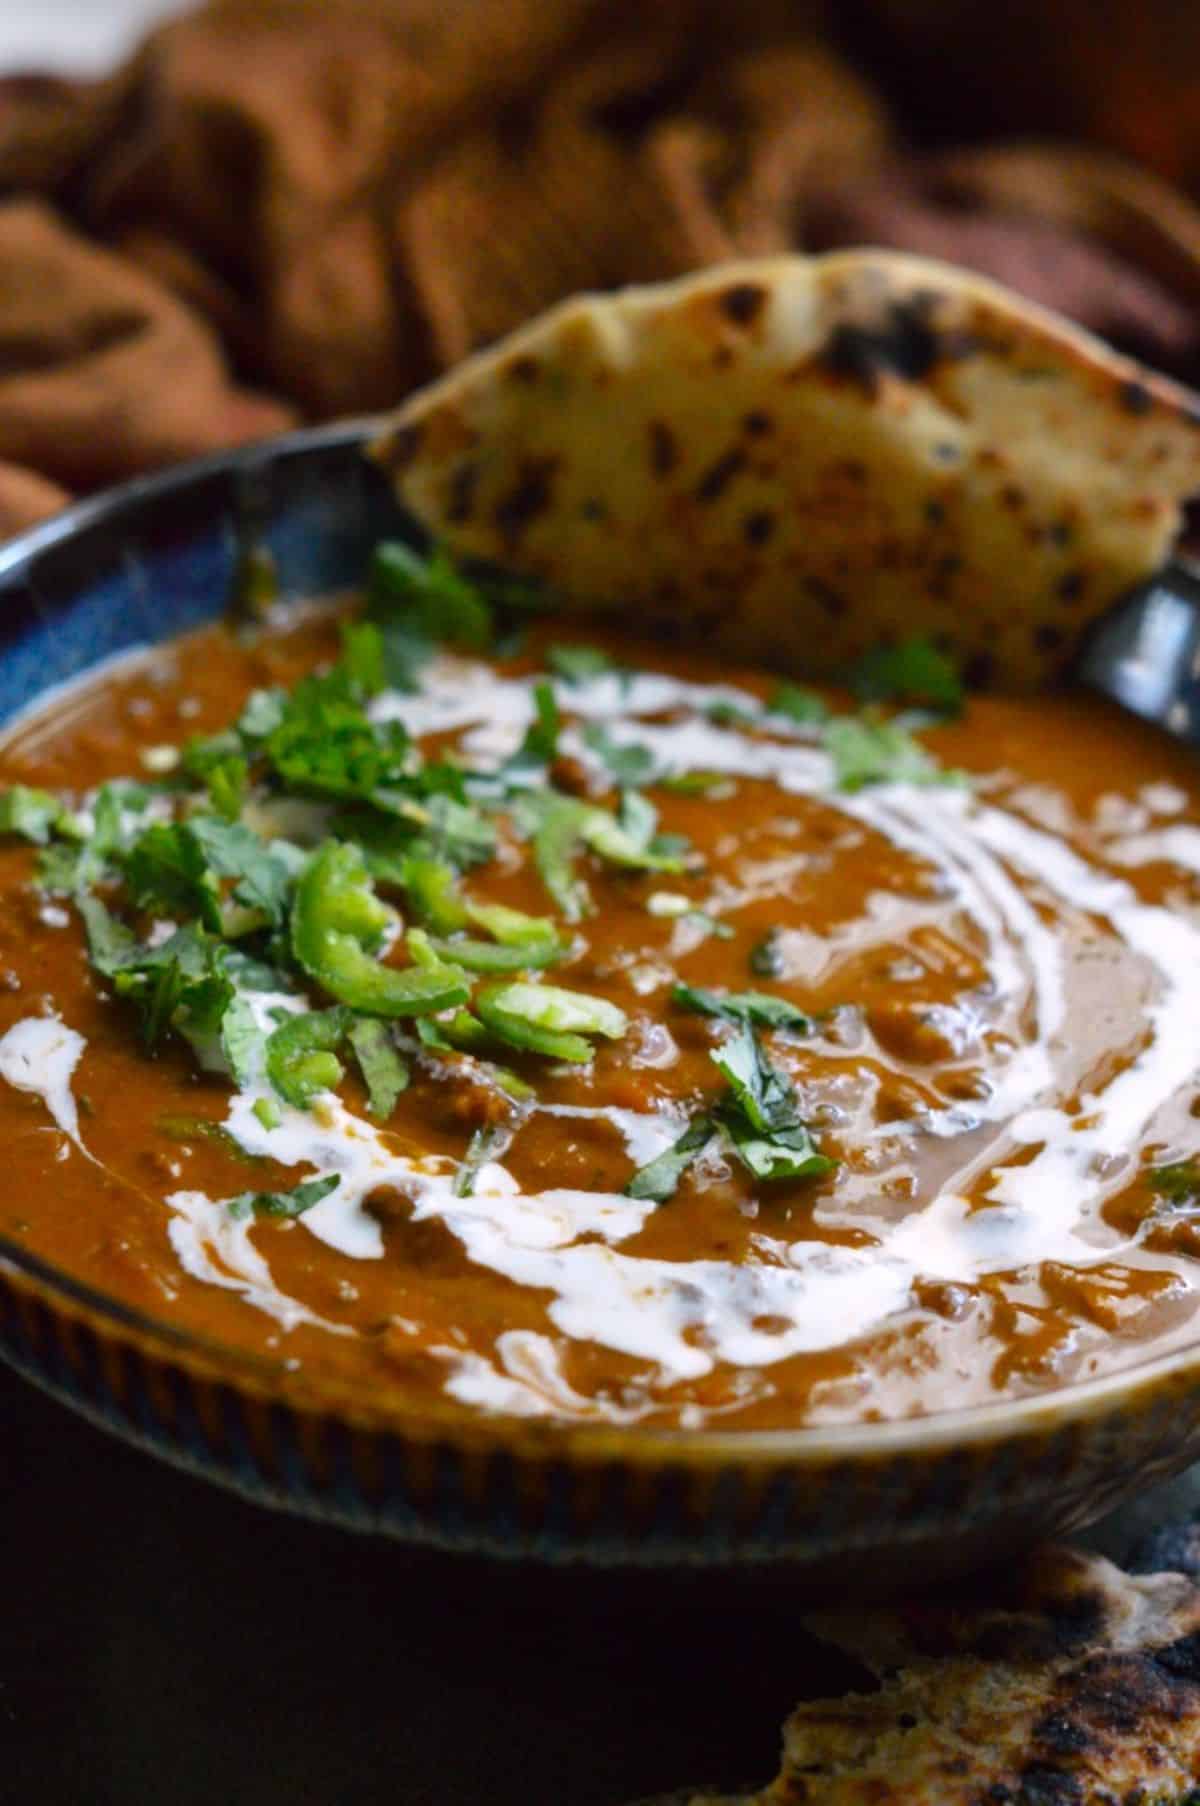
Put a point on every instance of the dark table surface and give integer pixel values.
(162, 1641)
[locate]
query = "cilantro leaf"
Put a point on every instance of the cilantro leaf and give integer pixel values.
(560, 825)
(326, 745)
(726, 713)
(458, 832)
(912, 671)
(540, 745)
(484, 1144)
(555, 840)
(578, 664)
(697, 783)
(1178, 1183)
(32, 814)
(232, 850)
(384, 1072)
(805, 707)
(167, 868)
(761, 1113)
(741, 1006)
(242, 1040)
(363, 663)
(228, 780)
(658, 1179)
(282, 1203)
(868, 750)
(431, 594)
(629, 763)
(262, 714)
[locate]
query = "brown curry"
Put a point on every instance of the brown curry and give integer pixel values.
(949, 969)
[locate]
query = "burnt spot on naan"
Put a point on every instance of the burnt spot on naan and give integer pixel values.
(716, 479)
(758, 527)
(529, 497)
(664, 448)
(460, 498)
(743, 302)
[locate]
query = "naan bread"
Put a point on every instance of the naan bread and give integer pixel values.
(1078, 1686)
(798, 458)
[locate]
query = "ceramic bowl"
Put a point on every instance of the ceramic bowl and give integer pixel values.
(847, 1511)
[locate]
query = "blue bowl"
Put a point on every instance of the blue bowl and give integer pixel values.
(853, 1511)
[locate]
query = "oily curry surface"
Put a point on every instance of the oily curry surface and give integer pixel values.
(979, 1062)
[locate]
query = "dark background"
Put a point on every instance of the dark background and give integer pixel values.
(162, 1641)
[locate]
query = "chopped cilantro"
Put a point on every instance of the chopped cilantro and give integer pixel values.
(628, 761)
(762, 1113)
(578, 664)
(200, 1128)
(561, 825)
(741, 1006)
(866, 750)
(798, 704)
(384, 1072)
(555, 840)
(235, 851)
(262, 714)
(363, 662)
(227, 780)
(697, 783)
(912, 671)
(167, 868)
(1177, 1184)
(33, 814)
(325, 744)
(431, 594)
(285, 1204)
(659, 1178)
(725, 713)
(242, 1040)
(484, 1144)
(540, 745)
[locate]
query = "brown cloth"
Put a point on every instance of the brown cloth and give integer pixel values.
(291, 209)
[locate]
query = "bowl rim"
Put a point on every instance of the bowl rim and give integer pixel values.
(992, 1420)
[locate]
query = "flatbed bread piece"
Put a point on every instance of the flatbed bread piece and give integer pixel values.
(1075, 1685)
(797, 458)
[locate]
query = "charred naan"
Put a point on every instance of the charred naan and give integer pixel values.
(1078, 1685)
(798, 458)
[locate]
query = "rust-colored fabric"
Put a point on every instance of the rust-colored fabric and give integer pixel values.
(291, 209)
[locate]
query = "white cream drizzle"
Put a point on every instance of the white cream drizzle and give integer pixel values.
(685, 1316)
(40, 1054)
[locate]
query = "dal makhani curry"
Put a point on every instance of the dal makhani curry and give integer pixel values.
(507, 1016)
